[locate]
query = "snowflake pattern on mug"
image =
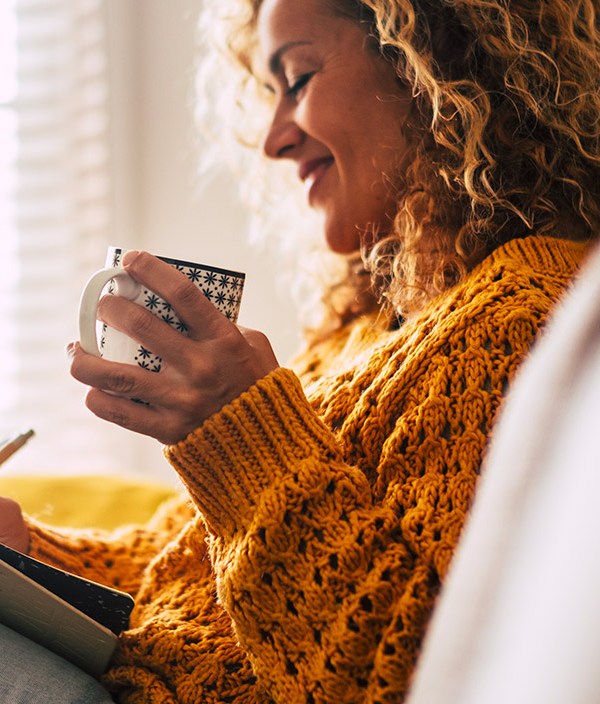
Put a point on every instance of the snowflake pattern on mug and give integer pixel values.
(222, 287)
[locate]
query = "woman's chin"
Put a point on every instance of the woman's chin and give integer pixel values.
(342, 240)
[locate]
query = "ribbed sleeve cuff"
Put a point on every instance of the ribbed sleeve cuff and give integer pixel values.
(237, 454)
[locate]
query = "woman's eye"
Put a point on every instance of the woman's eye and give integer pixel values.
(299, 84)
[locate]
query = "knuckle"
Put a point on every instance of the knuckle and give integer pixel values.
(189, 400)
(142, 321)
(210, 369)
(185, 293)
(120, 382)
(202, 376)
(231, 341)
(117, 416)
(258, 339)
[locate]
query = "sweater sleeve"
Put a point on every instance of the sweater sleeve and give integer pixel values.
(181, 647)
(115, 558)
(331, 522)
(328, 585)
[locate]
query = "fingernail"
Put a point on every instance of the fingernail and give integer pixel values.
(130, 256)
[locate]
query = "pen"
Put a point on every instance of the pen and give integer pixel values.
(9, 446)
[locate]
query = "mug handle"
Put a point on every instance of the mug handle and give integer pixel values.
(88, 304)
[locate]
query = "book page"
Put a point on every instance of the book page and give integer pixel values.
(36, 613)
(107, 605)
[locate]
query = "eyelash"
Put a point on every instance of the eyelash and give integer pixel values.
(299, 84)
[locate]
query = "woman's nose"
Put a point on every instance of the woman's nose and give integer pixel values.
(283, 137)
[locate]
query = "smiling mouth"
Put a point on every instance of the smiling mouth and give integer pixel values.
(312, 172)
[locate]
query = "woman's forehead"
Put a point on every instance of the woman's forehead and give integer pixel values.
(284, 23)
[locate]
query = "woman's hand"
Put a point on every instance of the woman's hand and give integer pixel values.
(13, 529)
(201, 373)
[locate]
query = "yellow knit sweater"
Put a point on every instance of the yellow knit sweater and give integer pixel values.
(322, 515)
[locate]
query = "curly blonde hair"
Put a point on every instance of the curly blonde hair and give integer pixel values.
(506, 137)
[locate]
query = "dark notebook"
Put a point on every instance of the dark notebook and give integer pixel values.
(76, 618)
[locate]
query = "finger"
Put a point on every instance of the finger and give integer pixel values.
(193, 308)
(144, 327)
(134, 398)
(128, 414)
(13, 530)
(10, 511)
(120, 380)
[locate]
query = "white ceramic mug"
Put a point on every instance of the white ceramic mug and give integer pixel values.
(221, 286)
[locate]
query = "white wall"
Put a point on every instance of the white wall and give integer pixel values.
(160, 203)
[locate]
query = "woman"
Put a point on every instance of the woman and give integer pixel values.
(456, 146)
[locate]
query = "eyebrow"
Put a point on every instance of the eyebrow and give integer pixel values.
(275, 60)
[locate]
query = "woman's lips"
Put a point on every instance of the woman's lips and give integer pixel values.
(311, 172)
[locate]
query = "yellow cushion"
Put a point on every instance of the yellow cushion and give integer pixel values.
(88, 501)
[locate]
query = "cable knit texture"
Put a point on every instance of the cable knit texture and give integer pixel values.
(325, 505)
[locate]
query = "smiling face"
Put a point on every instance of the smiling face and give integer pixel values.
(338, 113)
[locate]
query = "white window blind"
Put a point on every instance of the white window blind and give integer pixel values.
(8, 143)
(55, 219)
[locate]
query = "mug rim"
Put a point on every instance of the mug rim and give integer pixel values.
(190, 265)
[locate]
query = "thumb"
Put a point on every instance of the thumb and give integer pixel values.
(261, 346)
(13, 529)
